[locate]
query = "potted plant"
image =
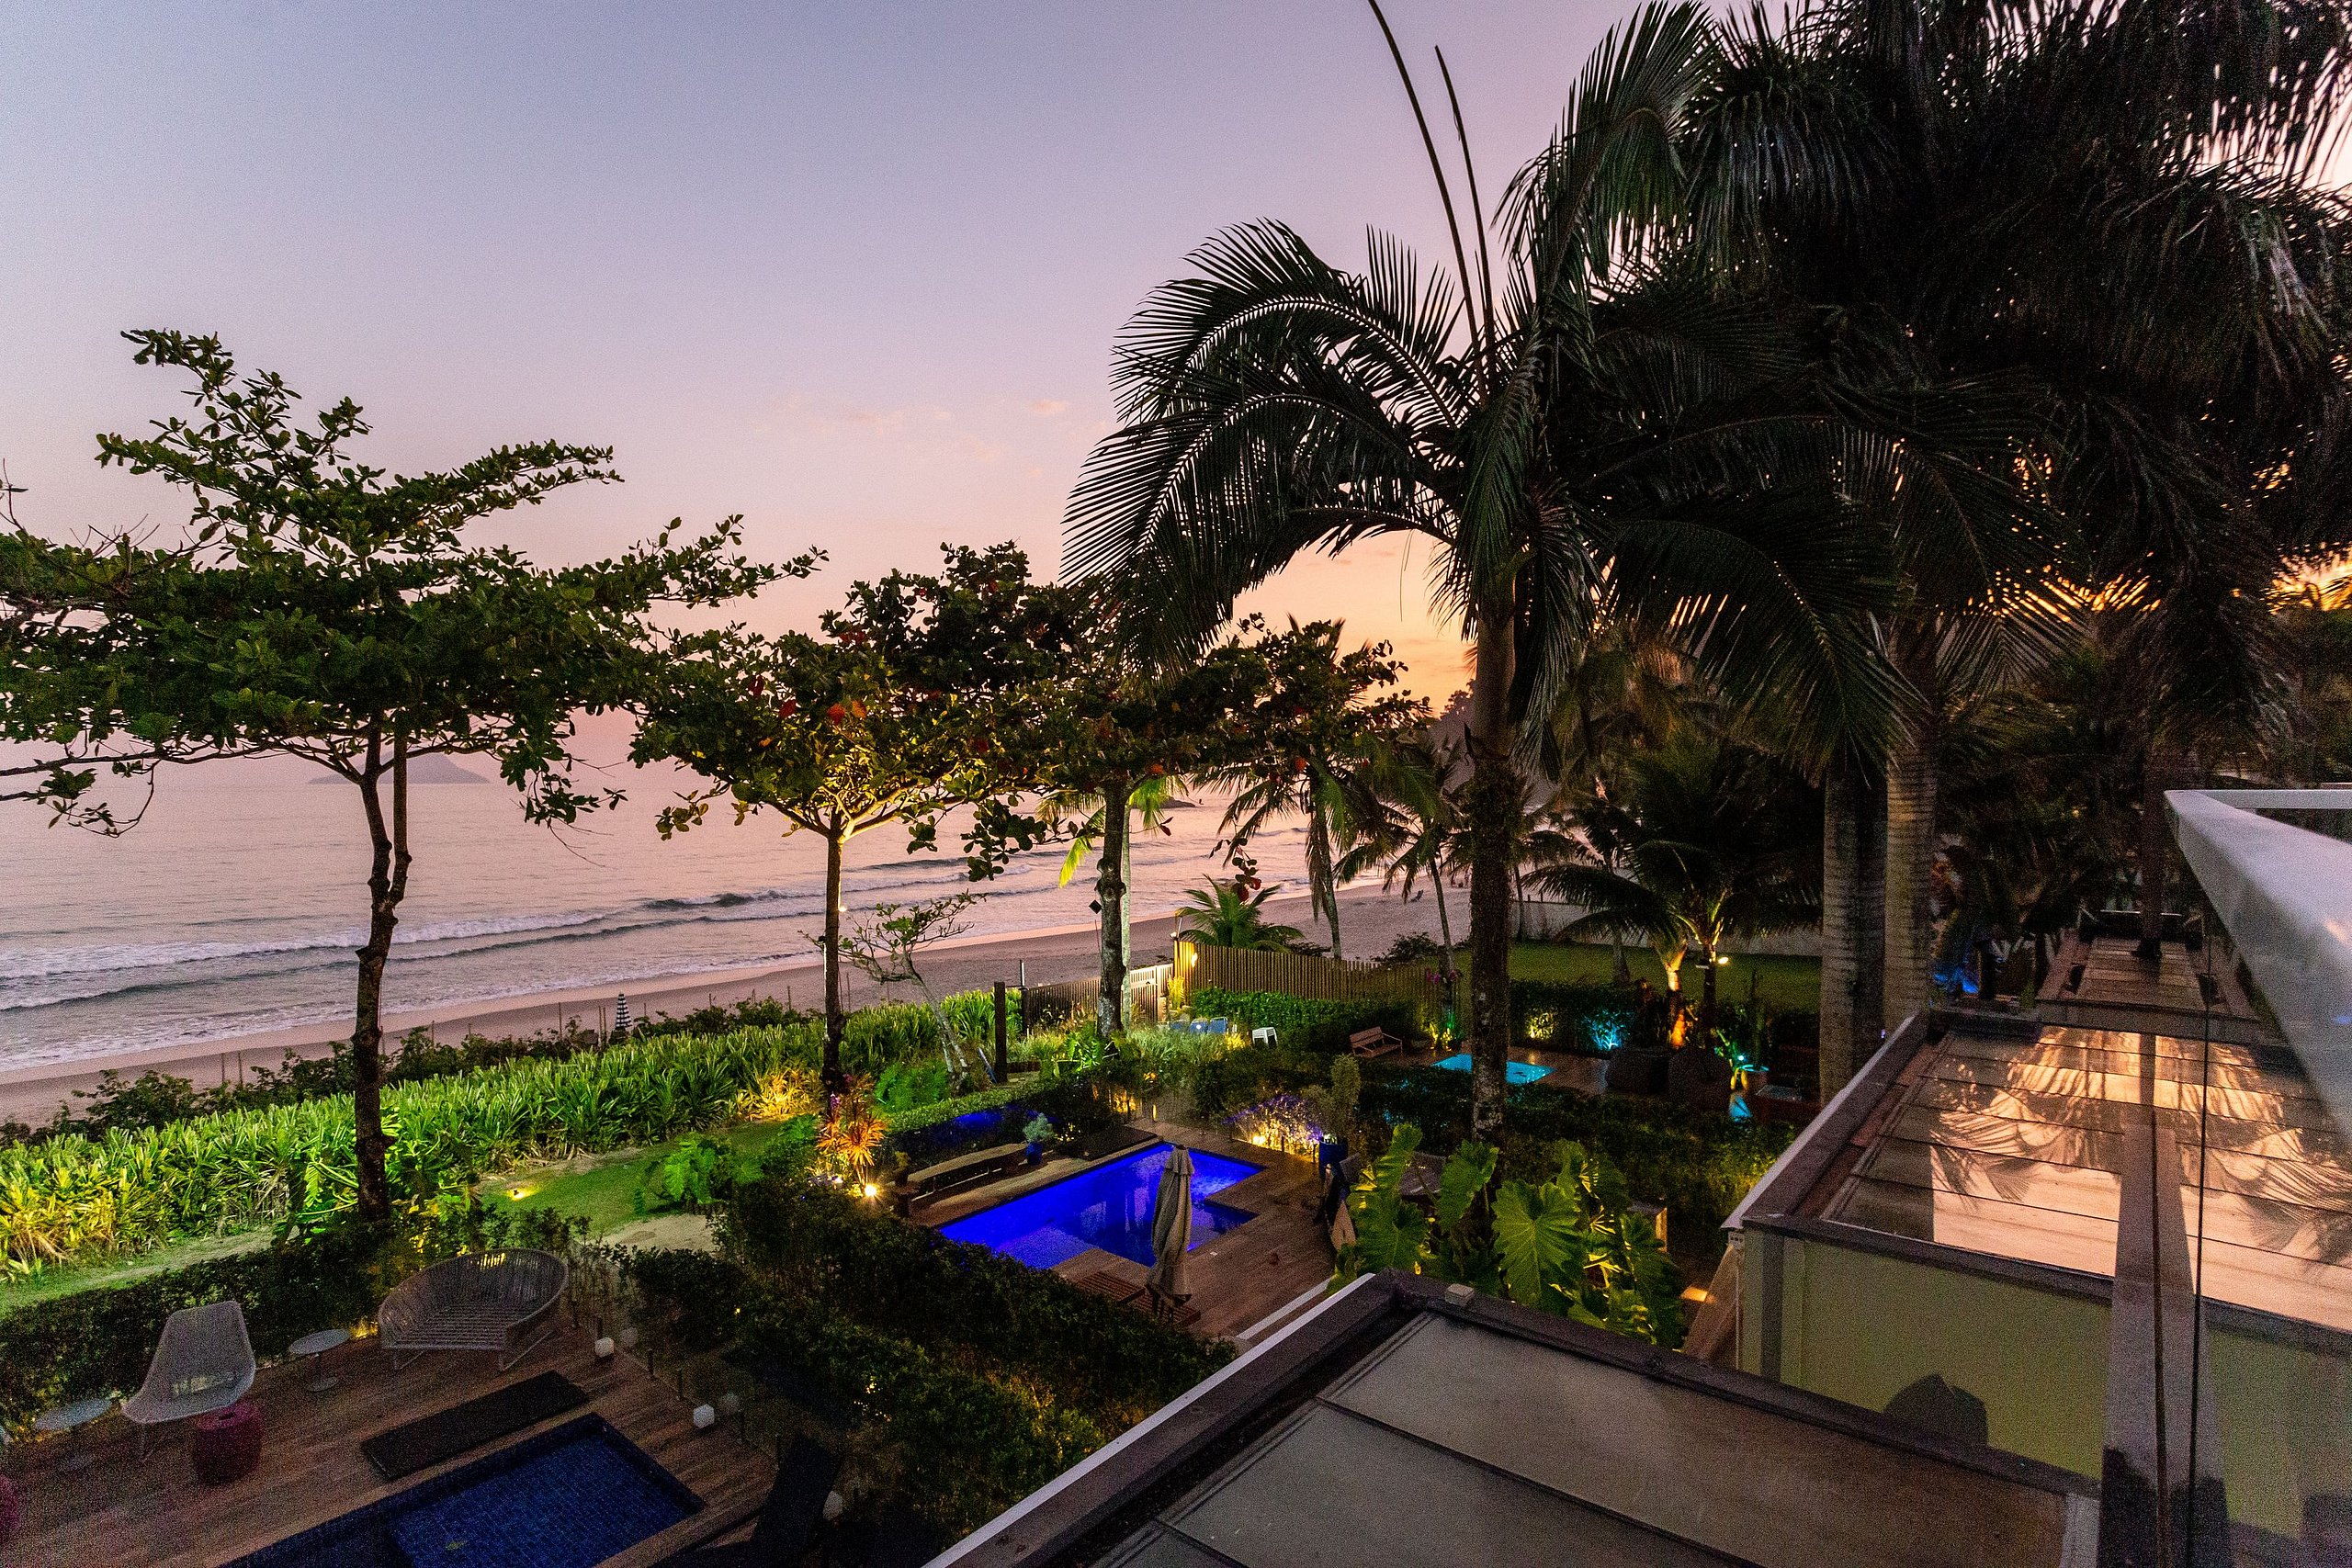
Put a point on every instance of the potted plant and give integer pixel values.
(1039, 1132)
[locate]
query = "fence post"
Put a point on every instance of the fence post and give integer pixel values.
(1003, 1067)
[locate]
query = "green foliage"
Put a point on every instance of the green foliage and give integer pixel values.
(904, 1086)
(1302, 1021)
(1038, 1129)
(1232, 915)
(1571, 1246)
(694, 1173)
(75, 1198)
(985, 1378)
(1698, 1165)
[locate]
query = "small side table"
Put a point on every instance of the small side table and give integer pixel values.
(69, 1419)
(311, 1346)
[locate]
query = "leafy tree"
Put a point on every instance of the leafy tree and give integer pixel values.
(885, 948)
(895, 717)
(324, 609)
(1586, 426)
(2107, 208)
(1699, 842)
(1105, 726)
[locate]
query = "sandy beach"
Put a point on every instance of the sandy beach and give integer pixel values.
(1370, 921)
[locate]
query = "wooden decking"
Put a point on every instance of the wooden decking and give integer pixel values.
(123, 1513)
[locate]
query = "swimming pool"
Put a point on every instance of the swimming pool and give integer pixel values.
(568, 1498)
(1513, 1072)
(1109, 1207)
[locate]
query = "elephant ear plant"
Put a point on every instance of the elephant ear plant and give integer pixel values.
(1570, 1245)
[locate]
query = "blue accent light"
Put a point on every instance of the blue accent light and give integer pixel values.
(1513, 1072)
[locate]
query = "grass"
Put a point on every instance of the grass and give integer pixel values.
(1788, 984)
(603, 1189)
(51, 1283)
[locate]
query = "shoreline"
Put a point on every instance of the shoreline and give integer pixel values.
(1371, 919)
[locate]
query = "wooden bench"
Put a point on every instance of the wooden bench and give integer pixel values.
(954, 1175)
(1373, 1042)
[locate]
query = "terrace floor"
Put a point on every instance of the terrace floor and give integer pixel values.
(126, 1513)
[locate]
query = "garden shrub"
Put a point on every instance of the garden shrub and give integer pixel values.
(1076, 1104)
(1586, 1017)
(1698, 1164)
(1304, 1022)
(910, 1280)
(971, 1442)
(1241, 1077)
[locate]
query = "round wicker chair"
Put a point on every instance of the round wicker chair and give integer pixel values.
(479, 1300)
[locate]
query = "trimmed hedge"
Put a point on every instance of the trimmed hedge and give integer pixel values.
(937, 1131)
(986, 1378)
(1303, 1021)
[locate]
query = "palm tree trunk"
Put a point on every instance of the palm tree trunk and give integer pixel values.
(2155, 849)
(1707, 1000)
(1869, 919)
(387, 885)
(1445, 939)
(1111, 892)
(1493, 806)
(1911, 780)
(1322, 881)
(1845, 1025)
(832, 1077)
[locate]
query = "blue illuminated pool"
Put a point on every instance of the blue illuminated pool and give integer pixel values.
(1513, 1072)
(1109, 1207)
(569, 1497)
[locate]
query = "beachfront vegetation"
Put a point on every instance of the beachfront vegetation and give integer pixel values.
(323, 610)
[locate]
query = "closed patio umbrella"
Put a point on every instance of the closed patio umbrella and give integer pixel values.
(1172, 1228)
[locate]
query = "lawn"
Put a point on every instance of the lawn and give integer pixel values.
(603, 1189)
(1787, 984)
(51, 1283)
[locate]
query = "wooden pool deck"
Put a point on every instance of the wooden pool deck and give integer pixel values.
(123, 1512)
(1238, 1278)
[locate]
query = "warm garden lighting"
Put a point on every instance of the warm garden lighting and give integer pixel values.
(869, 1192)
(520, 1191)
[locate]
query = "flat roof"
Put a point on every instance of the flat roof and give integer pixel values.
(1407, 1427)
(2007, 1145)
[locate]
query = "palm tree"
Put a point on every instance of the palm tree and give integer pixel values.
(1232, 914)
(1701, 842)
(1407, 825)
(1144, 806)
(1584, 425)
(2101, 206)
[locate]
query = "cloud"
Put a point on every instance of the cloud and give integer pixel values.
(1046, 408)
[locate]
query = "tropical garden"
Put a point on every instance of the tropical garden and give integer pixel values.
(1871, 453)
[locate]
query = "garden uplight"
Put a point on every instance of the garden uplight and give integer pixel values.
(519, 1193)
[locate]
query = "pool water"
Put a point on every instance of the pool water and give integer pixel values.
(1109, 1207)
(1513, 1072)
(568, 1498)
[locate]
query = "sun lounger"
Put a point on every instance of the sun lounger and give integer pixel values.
(788, 1520)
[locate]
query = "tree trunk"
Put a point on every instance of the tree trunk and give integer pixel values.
(1707, 998)
(1845, 1025)
(1321, 880)
(1869, 919)
(2155, 850)
(1445, 939)
(1111, 892)
(1911, 780)
(1493, 807)
(832, 1077)
(386, 884)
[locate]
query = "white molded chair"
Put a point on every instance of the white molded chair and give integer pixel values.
(204, 1363)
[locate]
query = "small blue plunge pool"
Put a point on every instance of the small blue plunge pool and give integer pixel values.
(569, 1497)
(1109, 1207)
(1513, 1072)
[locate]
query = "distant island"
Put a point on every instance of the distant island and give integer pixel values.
(428, 770)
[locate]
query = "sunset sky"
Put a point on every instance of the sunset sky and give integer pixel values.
(852, 270)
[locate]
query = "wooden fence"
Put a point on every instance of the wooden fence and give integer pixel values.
(1199, 966)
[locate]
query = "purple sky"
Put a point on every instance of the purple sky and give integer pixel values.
(853, 270)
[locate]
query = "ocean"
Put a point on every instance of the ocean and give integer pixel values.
(235, 905)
